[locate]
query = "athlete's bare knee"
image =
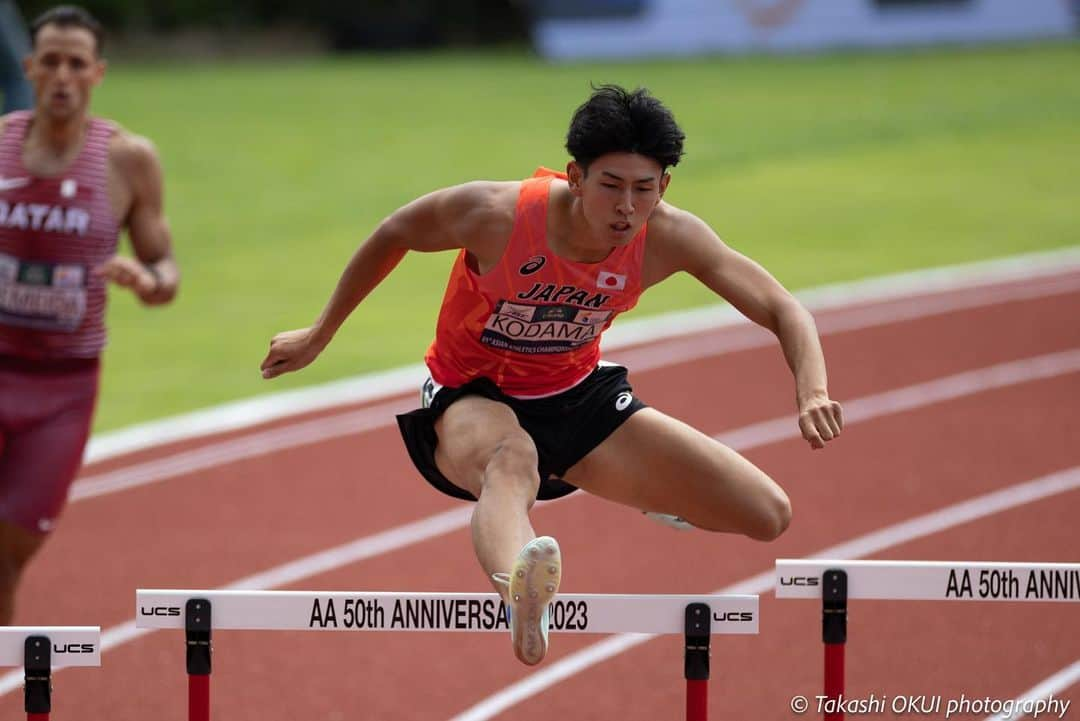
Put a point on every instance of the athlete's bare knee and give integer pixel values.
(773, 518)
(513, 465)
(763, 520)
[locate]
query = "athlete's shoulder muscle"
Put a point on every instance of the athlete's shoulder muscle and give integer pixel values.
(136, 169)
(684, 242)
(478, 216)
(679, 241)
(131, 154)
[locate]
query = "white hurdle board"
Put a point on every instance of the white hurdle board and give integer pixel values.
(934, 580)
(391, 611)
(69, 645)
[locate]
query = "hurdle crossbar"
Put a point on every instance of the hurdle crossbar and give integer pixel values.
(934, 580)
(696, 618)
(39, 649)
(470, 612)
(834, 582)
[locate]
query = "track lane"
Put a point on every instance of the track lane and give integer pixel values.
(255, 667)
(331, 512)
(324, 503)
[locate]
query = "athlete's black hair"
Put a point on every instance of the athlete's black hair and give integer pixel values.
(69, 16)
(615, 120)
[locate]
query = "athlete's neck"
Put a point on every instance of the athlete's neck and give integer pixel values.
(570, 236)
(53, 140)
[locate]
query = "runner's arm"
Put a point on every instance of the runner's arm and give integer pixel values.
(456, 217)
(695, 248)
(154, 276)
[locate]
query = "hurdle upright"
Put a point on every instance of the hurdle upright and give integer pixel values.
(834, 582)
(40, 649)
(199, 613)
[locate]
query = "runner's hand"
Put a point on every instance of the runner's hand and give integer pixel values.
(290, 351)
(820, 420)
(129, 273)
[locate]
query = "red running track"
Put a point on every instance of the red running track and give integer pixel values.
(209, 528)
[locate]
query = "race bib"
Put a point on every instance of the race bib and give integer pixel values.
(542, 328)
(45, 296)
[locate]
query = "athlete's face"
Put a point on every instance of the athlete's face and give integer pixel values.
(618, 194)
(63, 68)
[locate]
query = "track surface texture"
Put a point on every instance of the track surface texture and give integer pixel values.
(206, 515)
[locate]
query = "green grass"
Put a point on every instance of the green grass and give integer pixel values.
(822, 168)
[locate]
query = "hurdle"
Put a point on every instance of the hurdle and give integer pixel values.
(837, 581)
(40, 649)
(199, 613)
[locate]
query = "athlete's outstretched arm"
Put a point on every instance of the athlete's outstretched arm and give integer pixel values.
(692, 246)
(153, 274)
(456, 217)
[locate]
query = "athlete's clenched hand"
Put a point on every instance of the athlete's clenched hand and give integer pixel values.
(129, 273)
(820, 420)
(290, 351)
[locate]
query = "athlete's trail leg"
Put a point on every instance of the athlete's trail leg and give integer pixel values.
(656, 463)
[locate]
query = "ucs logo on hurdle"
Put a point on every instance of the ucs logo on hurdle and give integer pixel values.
(159, 610)
(73, 648)
(799, 581)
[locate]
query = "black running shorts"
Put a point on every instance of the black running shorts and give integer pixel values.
(564, 427)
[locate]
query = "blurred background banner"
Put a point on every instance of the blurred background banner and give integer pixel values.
(639, 28)
(272, 27)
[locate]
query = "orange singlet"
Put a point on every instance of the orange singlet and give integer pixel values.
(532, 323)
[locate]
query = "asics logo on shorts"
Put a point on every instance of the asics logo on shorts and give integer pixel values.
(427, 393)
(623, 401)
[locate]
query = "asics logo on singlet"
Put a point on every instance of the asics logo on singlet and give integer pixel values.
(623, 401)
(532, 265)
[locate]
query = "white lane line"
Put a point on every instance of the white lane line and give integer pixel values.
(406, 535)
(744, 335)
(639, 360)
(242, 414)
(918, 527)
(237, 449)
(1046, 688)
(918, 395)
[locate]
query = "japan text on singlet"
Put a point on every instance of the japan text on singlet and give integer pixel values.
(532, 323)
(53, 232)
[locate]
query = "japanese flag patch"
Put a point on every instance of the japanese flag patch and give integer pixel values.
(610, 281)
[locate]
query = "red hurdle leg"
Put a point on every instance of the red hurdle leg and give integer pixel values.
(37, 717)
(199, 697)
(834, 634)
(698, 635)
(834, 676)
(697, 700)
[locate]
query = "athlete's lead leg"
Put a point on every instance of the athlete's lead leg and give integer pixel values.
(483, 450)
